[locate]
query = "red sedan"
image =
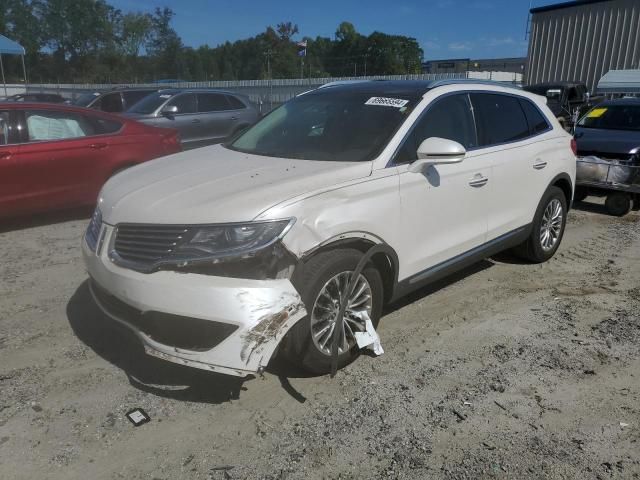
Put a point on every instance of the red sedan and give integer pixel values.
(56, 156)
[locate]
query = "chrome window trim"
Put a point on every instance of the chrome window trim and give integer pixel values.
(392, 161)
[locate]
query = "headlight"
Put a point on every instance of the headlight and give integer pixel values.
(232, 239)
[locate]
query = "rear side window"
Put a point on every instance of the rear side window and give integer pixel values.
(235, 103)
(500, 119)
(450, 118)
(43, 125)
(112, 102)
(103, 126)
(5, 128)
(537, 122)
(212, 102)
(186, 103)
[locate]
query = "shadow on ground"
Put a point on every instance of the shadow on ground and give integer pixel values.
(40, 220)
(119, 346)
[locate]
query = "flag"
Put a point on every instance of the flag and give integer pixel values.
(302, 48)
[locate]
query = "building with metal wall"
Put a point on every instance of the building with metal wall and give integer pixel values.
(583, 40)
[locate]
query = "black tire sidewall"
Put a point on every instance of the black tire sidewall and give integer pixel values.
(536, 252)
(618, 204)
(301, 344)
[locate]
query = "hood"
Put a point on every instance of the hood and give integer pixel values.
(594, 141)
(216, 185)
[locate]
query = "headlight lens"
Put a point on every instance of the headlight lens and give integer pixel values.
(232, 239)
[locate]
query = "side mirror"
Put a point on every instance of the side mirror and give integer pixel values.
(169, 110)
(437, 151)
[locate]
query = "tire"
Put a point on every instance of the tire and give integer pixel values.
(299, 345)
(533, 249)
(580, 194)
(618, 204)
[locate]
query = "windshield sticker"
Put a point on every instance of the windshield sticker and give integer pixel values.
(597, 112)
(387, 102)
(165, 96)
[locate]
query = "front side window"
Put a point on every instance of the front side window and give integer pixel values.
(342, 126)
(613, 117)
(236, 104)
(212, 102)
(450, 118)
(103, 126)
(43, 125)
(186, 103)
(500, 119)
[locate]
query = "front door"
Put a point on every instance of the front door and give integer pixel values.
(444, 208)
(58, 159)
(186, 120)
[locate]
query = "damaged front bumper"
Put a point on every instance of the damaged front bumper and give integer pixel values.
(226, 325)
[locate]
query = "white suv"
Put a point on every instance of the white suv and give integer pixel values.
(214, 256)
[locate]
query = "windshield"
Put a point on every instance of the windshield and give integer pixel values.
(150, 103)
(85, 99)
(330, 126)
(613, 117)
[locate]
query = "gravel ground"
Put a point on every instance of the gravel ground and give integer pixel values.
(507, 370)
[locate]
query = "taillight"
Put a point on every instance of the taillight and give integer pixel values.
(574, 146)
(171, 140)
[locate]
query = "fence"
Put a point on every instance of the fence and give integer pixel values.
(270, 93)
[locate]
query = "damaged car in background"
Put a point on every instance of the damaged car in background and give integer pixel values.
(608, 140)
(293, 236)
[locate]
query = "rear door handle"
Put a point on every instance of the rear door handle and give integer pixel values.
(98, 146)
(5, 155)
(540, 164)
(479, 181)
(195, 121)
(233, 119)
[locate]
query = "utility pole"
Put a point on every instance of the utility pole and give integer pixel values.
(268, 54)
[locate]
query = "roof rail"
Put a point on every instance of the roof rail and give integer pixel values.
(463, 81)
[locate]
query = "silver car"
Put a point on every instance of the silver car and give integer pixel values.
(202, 117)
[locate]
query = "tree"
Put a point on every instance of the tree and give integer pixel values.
(137, 31)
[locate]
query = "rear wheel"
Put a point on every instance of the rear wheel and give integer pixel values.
(618, 203)
(322, 287)
(548, 228)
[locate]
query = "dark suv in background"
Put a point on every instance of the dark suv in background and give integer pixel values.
(202, 116)
(113, 101)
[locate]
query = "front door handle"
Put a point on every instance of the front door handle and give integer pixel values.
(195, 121)
(5, 155)
(540, 164)
(478, 181)
(233, 119)
(98, 146)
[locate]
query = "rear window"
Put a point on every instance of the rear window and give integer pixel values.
(537, 122)
(135, 96)
(500, 119)
(103, 126)
(613, 117)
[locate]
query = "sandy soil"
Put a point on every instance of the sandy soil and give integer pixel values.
(507, 370)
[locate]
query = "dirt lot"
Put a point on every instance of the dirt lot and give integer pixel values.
(506, 371)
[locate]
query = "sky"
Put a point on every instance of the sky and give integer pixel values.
(444, 28)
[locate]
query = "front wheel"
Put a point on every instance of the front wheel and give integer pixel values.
(322, 286)
(547, 229)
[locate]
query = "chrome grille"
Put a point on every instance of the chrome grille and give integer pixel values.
(93, 230)
(145, 245)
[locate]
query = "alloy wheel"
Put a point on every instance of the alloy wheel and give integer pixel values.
(551, 226)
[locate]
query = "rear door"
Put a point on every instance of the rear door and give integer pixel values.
(60, 158)
(505, 138)
(217, 117)
(186, 120)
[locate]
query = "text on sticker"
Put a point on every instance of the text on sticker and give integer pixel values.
(387, 102)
